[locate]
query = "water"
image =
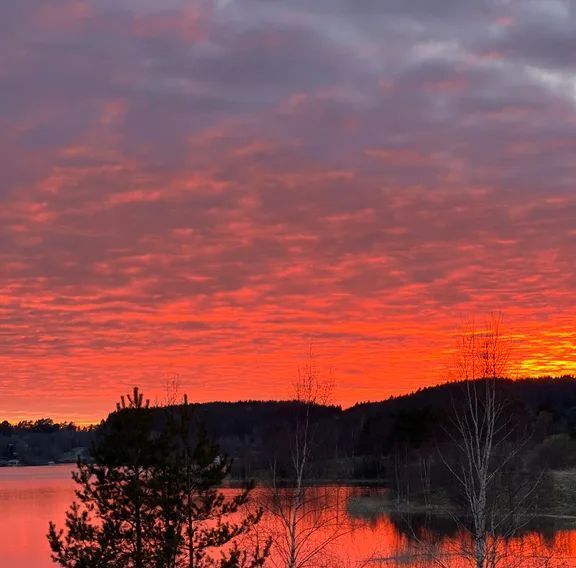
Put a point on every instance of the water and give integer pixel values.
(31, 497)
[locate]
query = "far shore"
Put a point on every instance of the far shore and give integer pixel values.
(561, 505)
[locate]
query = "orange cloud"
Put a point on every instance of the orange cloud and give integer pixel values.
(204, 193)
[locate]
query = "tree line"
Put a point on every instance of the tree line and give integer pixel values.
(355, 443)
(38, 442)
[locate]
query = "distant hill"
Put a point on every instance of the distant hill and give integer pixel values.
(352, 442)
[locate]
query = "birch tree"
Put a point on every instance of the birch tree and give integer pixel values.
(486, 440)
(306, 517)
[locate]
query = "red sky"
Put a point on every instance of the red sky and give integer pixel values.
(203, 188)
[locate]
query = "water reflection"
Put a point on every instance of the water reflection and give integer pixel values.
(30, 497)
(422, 540)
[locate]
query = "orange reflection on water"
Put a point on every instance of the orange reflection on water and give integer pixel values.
(31, 497)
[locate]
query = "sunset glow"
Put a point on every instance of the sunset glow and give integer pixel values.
(202, 189)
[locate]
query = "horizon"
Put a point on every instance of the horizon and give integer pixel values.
(204, 189)
(165, 404)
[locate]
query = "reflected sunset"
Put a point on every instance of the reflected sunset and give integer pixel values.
(381, 540)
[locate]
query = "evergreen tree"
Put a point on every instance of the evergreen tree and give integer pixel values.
(208, 513)
(151, 498)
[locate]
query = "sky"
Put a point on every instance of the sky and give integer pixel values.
(202, 189)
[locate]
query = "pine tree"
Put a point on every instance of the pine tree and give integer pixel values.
(151, 498)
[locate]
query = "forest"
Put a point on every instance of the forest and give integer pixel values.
(360, 442)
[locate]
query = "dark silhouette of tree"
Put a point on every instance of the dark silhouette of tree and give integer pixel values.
(151, 498)
(307, 520)
(201, 470)
(488, 443)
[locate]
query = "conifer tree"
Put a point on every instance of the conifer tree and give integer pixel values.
(151, 498)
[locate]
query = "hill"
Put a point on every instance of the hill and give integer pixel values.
(356, 442)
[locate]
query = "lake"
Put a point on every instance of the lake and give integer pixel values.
(31, 497)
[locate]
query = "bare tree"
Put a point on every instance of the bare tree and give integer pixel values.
(305, 517)
(484, 459)
(486, 441)
(172, 390)
(481, 359)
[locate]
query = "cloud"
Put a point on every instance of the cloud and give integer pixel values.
(204, 188)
